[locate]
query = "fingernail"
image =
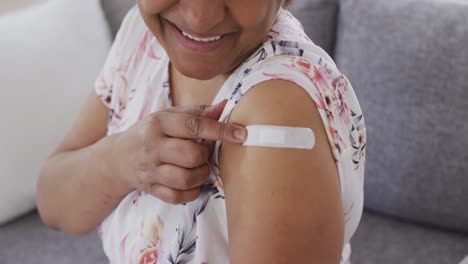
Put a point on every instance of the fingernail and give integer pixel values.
(221, 102)
(215, 105)
(240, 134)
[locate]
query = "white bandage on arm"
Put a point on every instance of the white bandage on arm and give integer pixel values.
(280, 137)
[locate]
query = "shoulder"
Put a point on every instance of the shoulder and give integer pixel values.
(265, 187)
(310, 70)
(307, 90)
(304, 90)
(278, 102)
(274, 100)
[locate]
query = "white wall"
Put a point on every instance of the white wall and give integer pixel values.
(11, 5)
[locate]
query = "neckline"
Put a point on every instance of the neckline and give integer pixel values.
(219, 95)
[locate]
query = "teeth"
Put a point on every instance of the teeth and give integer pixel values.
(201, 39)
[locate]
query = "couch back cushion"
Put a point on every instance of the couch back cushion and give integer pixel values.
(408, 62)
(115, 11)
(317, 16)
(319, 20)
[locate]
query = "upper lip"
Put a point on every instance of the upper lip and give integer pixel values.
(195, 34)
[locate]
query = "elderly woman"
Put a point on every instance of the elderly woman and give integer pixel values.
(217, 132)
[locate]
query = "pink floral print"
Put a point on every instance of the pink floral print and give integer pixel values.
(135, 82)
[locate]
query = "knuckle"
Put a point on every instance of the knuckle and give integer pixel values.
(183, 151)
(191, 154)
(181, 177)
(184, 179)
(154, 123)
(196, 157)
(155, 117)
(200, 108)
(193, 125)
(221, 131)
(179, 148)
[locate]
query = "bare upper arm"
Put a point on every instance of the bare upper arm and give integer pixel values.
(89, 126)
(283, 205)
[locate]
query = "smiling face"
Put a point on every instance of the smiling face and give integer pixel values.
(205, 39)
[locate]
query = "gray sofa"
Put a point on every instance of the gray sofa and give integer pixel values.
(408, 62)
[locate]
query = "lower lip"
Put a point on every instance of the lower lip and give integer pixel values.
(197, 46)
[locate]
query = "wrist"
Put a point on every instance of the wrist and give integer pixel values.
(110, 166)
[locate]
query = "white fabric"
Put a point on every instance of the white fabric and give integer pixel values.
(49, 57)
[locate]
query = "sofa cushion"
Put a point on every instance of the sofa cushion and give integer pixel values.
(319, 20)
(408, 62)
(317, 16)
(115, 11)
(13, 6)
(27, 240)
(50, 56)
(384, 240)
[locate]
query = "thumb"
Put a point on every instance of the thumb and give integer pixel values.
(215, 111)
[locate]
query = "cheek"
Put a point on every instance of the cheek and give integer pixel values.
(255, 24)
(152, 7)
(254, 16)
(249, 17)
(253, 12)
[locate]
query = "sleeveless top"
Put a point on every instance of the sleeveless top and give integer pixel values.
(134, 82)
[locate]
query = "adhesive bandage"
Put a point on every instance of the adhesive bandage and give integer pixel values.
(280, 137)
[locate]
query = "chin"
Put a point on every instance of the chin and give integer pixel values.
(198, 71)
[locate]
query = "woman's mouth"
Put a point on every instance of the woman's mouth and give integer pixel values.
(201, 43)
(201, 39)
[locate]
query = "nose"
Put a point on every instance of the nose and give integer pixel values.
(202, 16)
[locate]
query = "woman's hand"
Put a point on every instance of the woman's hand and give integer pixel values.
(160, 156)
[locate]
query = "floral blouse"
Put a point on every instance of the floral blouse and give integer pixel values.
(134, 82)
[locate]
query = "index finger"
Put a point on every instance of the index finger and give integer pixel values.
(210, 111)
(189, 126)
